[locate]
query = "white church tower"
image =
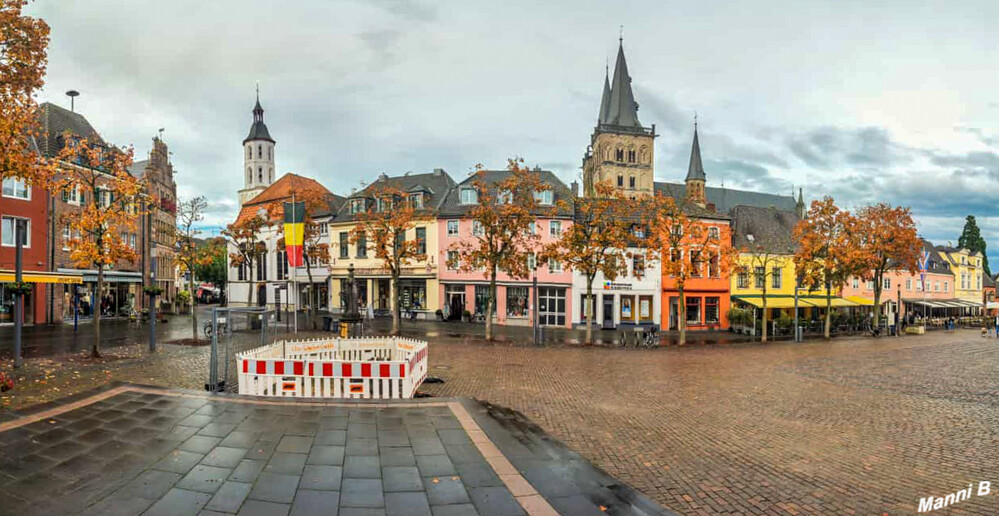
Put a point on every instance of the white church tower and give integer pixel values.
(258, 157)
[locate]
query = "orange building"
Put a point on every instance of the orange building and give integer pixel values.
(706, 290)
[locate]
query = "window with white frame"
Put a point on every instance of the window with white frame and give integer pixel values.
(324, 228)
(555, 228)
(7, 228)
(713, 233)
(66, 235)
(908, 283)
(356, 206)
(452, 260)
(775, 277)
(761, 277)
(544, 197)
(416, 200)
(452, 228)
(936, 286)
(946, 285)
(856, 283)
(16, 188)
(743, 280)
(477, 228)
(532, 261)
(533, 227)
(554, 265)
(886, 284)
(504, 197)
(469, 196)
(919, 286)
(870, 284)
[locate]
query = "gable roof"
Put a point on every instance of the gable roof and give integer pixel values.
(138, 168)
(453, 207)
(724, 199)
(281, 191)
(771, 229)
(54, 122)
(435, 185)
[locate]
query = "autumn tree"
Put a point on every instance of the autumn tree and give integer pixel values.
(245, 246)
(382, 227)
(597, 241)
(23, 58)
(828, 252)
(764, 256)
(189, 254)
(104, 224)
(686, 245)
(888, 240)
(502, 235)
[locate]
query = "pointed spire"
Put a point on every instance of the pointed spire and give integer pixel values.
(605, 99)
(696, 169)
(258, 131)
(799, 208)
(623, 108)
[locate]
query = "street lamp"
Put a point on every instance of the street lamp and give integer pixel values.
(797, 329)
(534, 302)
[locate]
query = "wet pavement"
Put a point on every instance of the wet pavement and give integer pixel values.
(140, 450)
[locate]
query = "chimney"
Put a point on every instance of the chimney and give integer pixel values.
(383, 176)
(575, 188)
(438, 172)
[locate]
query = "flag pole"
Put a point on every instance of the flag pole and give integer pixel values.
(298, 295)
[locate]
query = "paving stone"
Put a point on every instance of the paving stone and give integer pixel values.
(362, 446)
(407, 504)
(262, 508)
(361, 492)
(286, 463)
(96, 436)
(262, 450)
(359, 511)
(331, 438)
(478, 474)
(273, 487)
(217, 429)
(151, 484)
(464, 453)
(461, 509)
(392, 438)
(178, 461)
(294, 444)
(362, 467)
(401, 478)
(64, 450)
(195, 420)
(309, 503)
(179, 502)
(576, 504)
(206, 479)
(247, 470)
(326, 455)
(179, 433)
(495, 501)
(449, 437)
(333, 423)
(239, 439)
(115, 506)
(397, 456)
(445, 490)
(325, 478)
(223, 457)
(200, 444)
(229, 497)
(435, 465)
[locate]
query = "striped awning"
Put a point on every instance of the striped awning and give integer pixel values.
(8, 276)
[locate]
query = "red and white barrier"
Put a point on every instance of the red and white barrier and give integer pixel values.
(365, 367)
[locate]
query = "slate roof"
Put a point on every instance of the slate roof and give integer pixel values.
(623, 109)
(605, 101)
(938, 263)
(696, 169)
(436, 184)
(258, 131)
(138, 168)
(771, 229)
(452, 206)
(988, 281)
(724, 199)
(54, 122)
(279, 192)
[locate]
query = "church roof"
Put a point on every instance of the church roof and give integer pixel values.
(696, 169)
(623, 110)
(605, 101)
(281, 191)
(258, 131)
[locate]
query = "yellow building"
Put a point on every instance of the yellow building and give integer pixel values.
(968, 272)
(418, 286)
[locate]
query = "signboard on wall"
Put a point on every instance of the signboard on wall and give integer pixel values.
(610, 285)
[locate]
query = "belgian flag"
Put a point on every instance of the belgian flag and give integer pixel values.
(294, 232)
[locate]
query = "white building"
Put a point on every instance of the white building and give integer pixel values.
(628, 300)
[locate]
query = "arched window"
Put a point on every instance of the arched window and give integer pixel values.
(619, 154)
(269, 147)
(260, 151)
(260, 174)
(270, 174)
(249, 153)
(249, 175)
(631, 156)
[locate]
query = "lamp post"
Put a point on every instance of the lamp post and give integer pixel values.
(797, 329)
(534, 302)
(18, 294)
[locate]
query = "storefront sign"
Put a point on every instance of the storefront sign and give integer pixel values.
(610, 285)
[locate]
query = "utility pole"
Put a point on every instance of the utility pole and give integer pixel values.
(19, 294)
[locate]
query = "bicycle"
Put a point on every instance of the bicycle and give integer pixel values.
(651, 337)
(223, 327)
(875, 331)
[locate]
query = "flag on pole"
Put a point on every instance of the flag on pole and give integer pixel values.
(294, 232)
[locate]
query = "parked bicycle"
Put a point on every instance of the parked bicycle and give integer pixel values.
(221, 323)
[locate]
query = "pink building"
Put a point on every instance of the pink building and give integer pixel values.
(931, 292)
(460, 291)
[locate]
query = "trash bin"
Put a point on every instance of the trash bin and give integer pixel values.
(327, 323)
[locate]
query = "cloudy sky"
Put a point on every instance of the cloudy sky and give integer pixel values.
(892, 100)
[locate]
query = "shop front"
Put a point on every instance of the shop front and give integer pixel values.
(513, 303)
(118, 298)
(34, 300)
(417, 295)
(617, 304)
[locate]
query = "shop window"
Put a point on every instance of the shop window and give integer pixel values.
(711, 310)
(481, 299)
(693, 310)
(627, 309)
(516, 301)
(413, 294)
(645, 309)
(551, 306)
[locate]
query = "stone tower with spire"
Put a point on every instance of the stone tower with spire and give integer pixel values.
(799, 208)
(621, 150)
(695, 174)
(258, 157)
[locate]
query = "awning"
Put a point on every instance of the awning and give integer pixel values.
(944, 303)
(785, 301)
(861, 300)
(992, 305)
(7, 276)
(111, 276)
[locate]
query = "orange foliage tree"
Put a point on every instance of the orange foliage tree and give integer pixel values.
(191, 256)
(888, 239)
(23, 57)
(596, 242)
(765, 257)
(828, 252)
(245, 245)
(501, 228)
(685, 245)
(382, 227)
(105, 223)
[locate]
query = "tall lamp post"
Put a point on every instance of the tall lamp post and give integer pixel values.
(534, 302)
(19, 293)
(797, 328)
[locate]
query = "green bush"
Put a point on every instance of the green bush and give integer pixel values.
(784, 321)
(184, 297)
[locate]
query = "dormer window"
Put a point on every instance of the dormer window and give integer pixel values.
(544, 197)
(469, 196)
(505, 197)
(416, 200)
(384, 205)
(356, 206)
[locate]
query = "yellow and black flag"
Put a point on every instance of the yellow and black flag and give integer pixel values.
(294, 232)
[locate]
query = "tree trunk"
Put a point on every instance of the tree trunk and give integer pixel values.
(828, 328)
(96, 348)
(878, 285)
(764, 299)
(249, 283)
(194, 311)
(682, 323)
(490, 304)
(396, 309)
(312, 295)
(589, 305)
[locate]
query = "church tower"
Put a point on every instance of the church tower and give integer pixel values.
(621, 150)
(258, 157)
(695, 174)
